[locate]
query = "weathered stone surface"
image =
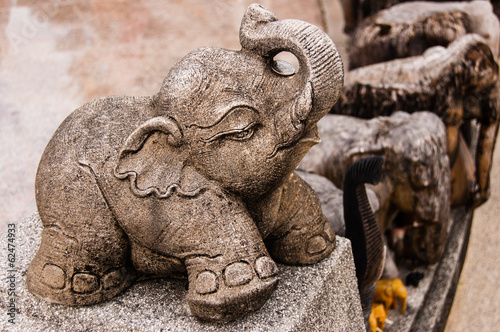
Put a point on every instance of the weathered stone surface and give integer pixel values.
(321, 297)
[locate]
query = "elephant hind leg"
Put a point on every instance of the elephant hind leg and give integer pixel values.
(84, 255)
(303, 235)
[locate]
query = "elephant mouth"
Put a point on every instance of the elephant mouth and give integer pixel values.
(307, 140)
(310, 136)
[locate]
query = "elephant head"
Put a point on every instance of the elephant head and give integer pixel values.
(236, 119)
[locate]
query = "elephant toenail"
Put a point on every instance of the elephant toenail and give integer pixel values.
(206, 283)
(112, 279)
(85, 283)
(53, 276)
(316, 244)
(265, 267)
(238, 273)
(329, 232)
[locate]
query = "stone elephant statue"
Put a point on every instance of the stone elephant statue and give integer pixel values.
(197, 180)
(410, 28)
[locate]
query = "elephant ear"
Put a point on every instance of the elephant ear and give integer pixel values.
(152, 158)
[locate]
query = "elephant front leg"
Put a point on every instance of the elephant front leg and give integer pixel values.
(489, 120)
(301, 234)
(222, 289)
(484, 157)
(230, 272)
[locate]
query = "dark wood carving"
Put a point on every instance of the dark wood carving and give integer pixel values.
(368, 247)
(410, 28)
(416, 171)
(458, 83)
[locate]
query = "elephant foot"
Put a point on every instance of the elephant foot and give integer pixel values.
(59, 274)
(378, 316)
(222, 292)
(478, 195)
(301, 246)
(302, 234)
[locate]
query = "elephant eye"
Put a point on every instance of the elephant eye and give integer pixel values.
(240, 135)
(285, 64)
(235, 134)
(420, 176)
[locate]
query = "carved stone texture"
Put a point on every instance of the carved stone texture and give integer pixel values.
(410, 28)
(458, 83)
(416, 180)
(331, 198)
(196, 180)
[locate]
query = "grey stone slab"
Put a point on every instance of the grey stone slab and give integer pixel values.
(320, 297)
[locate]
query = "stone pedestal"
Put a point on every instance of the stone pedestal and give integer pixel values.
(320, 297)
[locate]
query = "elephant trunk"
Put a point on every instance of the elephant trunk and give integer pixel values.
(319, 61)
(361, 228)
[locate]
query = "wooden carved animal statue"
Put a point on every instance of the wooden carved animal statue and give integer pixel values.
(416, 173)
(458, 83)
(410, 28)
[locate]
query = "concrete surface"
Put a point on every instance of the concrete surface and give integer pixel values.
(57, 54)
(323, 295)
(477, 301)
